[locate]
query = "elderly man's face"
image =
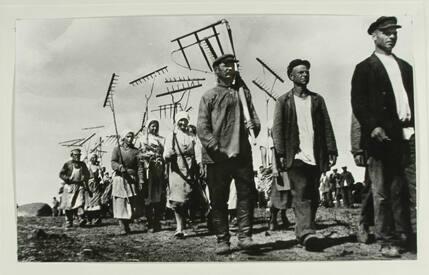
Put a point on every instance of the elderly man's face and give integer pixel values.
(385, 39)
(225, 71)
(129, 138)
(300, 75)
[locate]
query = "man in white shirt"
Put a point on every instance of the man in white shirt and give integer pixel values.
(382, 101)
(305, 143)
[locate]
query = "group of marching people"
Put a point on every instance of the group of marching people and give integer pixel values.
(303, 144)
(83, 190)
(149, 172)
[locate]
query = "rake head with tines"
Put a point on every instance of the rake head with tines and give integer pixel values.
(95, 127)
(71, 141)
(261, 85)
(270, 70)
(111, 139)
(108, 101)
(148, 76)
(178, 89)
(183, 79)
(207, 50)
(172, 108)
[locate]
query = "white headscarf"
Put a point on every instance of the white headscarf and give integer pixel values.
(125, 132)
(150, 121)
(182, 115)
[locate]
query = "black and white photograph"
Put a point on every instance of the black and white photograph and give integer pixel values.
(216, 138)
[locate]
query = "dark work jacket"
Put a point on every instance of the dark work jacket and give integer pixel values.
(286, 135)
(374, 105)
(216, 121)
(67, 170)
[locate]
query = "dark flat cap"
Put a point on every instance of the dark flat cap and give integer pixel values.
(75, 151)
(384, 22)
(297, 62)
(224, 58)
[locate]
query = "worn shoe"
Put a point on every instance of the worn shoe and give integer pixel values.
(285, 223)
(82, 223)
(222, 248)
(97, 222)
(179, 235)
(68, 225)
(312, 243)
(362, 235)
(390, 251)
(246, 244)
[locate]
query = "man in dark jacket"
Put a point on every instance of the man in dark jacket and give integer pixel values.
(223, 133)
(382, 101)
(346, 183)
(305, 143)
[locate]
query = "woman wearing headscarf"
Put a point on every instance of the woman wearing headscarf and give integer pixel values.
(74, 174)
(94, 192)
(180, 153)
(125, 182)
(280, 197)
(151, 147)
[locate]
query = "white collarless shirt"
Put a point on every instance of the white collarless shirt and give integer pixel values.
(401, 97)
(305, 129)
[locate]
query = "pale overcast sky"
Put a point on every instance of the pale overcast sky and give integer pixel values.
(63, 68)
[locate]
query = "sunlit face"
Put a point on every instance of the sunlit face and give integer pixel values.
(300, 75)
(385, 40)
(153, 128)
(226, 70)
(183, 124)
(93, 159)
(129, 138)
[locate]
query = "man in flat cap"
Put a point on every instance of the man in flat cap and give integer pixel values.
(382, 101)
(305, 143)
(224, 132)
(346, 183)
(75, 175)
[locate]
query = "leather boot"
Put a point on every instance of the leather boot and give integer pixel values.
(245, 219)
(285, 220)
(125, 226)
(273, 219)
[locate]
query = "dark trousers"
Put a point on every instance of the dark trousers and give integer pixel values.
(346, 193)
(409, 148)
(390, 206)
(219, 176)
(304, 182)
(367, 206)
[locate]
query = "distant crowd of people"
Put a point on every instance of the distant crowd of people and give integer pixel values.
(191, 171)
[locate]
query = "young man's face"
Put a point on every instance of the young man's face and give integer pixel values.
(75, 156)
(226, 70)
(385, 39)
(300, 75)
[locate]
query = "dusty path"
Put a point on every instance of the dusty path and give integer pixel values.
(106, 245)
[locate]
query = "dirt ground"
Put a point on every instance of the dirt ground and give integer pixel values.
(105, 244)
